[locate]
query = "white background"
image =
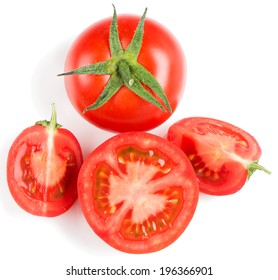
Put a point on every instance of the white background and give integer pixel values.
(232, 58)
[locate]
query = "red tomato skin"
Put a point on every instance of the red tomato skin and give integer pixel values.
(35, 136)
(161, 54)
(107, 233)
(233, 174)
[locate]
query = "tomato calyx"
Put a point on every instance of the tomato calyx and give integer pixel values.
(253, 166)
(124, 70)
(52, 124)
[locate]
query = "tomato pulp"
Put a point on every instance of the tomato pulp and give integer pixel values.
(160, 54)
(138, 192)
(222, 155)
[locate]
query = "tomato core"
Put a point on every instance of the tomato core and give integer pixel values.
(212, 147)
(144, 210)
(37, 176)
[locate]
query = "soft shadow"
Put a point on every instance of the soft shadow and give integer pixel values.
(73, 225)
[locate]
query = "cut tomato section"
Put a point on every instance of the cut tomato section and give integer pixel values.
(138, 192)
(222, 155)
(42, 169)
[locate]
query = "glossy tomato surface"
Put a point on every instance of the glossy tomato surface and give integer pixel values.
(220, 152)
(42, 170)
(160, 54)
(138, 192)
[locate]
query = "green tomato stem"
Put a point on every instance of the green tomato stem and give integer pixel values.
(253, 166)
(51, 125)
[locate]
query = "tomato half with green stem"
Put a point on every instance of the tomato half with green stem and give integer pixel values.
(125, 74)
(138, 192)
(222, 155)
(42, 168)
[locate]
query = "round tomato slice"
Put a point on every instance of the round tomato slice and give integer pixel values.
(138, 192)
(222, 155)
(42, 169)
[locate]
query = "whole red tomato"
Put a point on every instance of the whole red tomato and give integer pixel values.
(42, 168)
(123, 75)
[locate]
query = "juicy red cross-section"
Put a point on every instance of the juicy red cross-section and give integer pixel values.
(138, 192)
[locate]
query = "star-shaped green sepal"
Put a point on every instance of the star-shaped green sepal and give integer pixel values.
(124, 70)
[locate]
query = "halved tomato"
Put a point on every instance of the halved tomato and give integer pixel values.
(42, 168)
(222, 155)
(138, 192)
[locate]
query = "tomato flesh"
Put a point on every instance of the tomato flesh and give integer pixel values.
(42, 170)
(220, 153)
(141, 198)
